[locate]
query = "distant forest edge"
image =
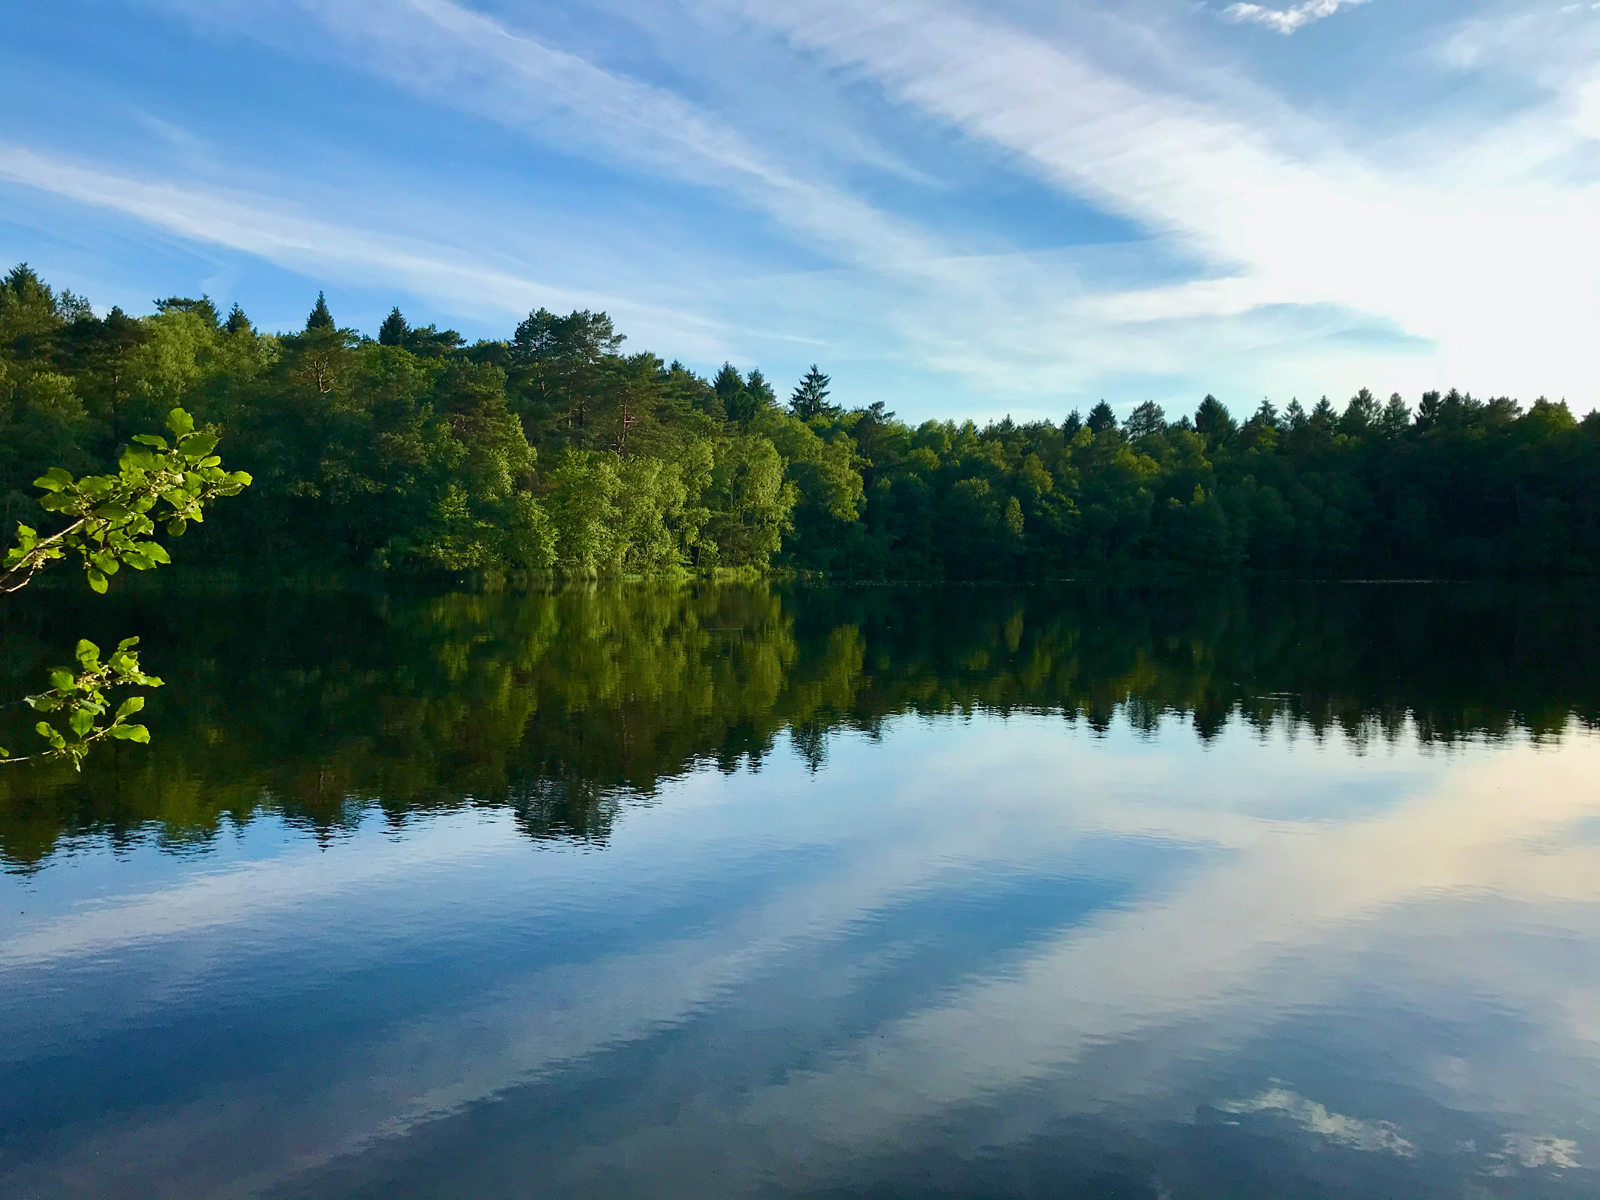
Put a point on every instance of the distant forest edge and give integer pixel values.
(555, 452)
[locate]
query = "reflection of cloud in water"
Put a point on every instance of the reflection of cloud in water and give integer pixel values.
(1206, 951)
(1196, 970)
(1374, 1136)
(1531, 1153)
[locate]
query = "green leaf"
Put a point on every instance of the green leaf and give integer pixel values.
(176, 527)
(150, 439)
(54, 479)
(88, 653)
(137, 458)
(97, 581)
(130, 706)
(81, 721)
(197, 445)
(43, 703)
(131, 733)
(180, 422)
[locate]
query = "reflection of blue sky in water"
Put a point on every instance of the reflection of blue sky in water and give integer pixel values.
(974, 950)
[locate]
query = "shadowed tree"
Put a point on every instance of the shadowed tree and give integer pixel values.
(394, 329)
(1213, 420)
(1146, 421)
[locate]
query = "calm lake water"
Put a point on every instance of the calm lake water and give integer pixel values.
(1218, 894)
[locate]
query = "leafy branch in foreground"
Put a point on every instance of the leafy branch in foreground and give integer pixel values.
(111, 524)
(111, 515)
(80, 699)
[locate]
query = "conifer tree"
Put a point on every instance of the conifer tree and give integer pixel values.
(1361, 415)
(320, 317)
(810, 398)
(394, 329)
(1101, 418)
(1396, 416)
(1214, 420)
(1146, 420)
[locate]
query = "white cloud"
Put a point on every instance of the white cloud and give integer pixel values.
(1483, 247)
(283, 233)
(470, 62)
(1286, 20)
(1282, 254)
(1586, 118)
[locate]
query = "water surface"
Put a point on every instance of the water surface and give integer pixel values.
(858, 892)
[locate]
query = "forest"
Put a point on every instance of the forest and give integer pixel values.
(554, 452)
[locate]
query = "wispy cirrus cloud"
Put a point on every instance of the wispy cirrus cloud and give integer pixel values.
(471, 62)
(288, 235)
(1490, 256)
(1286, 20)
(803, 166)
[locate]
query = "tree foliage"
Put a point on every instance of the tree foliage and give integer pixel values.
(556, 450)
(111, 522)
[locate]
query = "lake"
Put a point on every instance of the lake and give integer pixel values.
(1211, 893)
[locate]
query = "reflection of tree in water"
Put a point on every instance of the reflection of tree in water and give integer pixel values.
(565, 810)
(565, 706)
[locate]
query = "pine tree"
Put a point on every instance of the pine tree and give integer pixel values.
(1101, 418)
(238, 322)
(320, 317)
(739, 402)
(1430, 410)
(760, 390)
(810, 398)
(1214, 420)
(27, 305)
(1146, 420)
(1396, 416)
(394, 329)
(1361, 415)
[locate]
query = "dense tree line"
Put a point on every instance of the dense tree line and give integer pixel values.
(556, 451)
(565, 705)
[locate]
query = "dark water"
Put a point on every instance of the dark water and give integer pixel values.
(722, 892)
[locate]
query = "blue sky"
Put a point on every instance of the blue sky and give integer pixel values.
(960, 209)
